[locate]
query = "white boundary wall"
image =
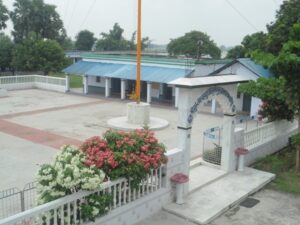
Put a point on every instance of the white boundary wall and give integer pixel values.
(157, 192)
(33, 81)
(266, 139)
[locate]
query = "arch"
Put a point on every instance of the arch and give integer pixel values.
(220, 94)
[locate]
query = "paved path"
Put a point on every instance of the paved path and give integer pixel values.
(36, 135)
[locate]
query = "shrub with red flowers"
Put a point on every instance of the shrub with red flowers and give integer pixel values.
(125, 154)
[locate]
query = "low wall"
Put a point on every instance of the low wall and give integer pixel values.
(33, 81)
(123, 211)
(267, 139)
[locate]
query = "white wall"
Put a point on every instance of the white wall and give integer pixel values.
(92, 81)
(255, 105)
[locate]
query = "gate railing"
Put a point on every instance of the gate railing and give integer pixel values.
(14, 200)
(33, 81)
(67, 210)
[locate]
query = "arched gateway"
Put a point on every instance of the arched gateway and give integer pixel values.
(192, 94)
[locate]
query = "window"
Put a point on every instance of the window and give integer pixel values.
(238, 95)
(98, 79)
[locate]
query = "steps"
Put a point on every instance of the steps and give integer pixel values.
(218, 195)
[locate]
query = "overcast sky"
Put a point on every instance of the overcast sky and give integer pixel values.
(225, 21)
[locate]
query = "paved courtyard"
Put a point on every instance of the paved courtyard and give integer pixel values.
(274, 208)
(35, 123)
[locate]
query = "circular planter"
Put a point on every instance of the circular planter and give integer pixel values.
(138, 113)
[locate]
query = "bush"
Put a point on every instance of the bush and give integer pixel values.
(119, 154)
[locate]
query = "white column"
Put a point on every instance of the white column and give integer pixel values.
(149, 89)
(123, 88)
(107, 87)
(184, 130)
(85, 84)
(176, 96)
(228, 160)
(67, 83)
(213, 106)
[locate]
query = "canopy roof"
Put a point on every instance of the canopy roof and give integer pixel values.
(160, 74)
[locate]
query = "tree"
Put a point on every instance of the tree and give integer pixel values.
(114, 40)
(85, 40)
(6, 49)
(3, 15)
(194, 44)
(238, 51)
(39, 54)
(256, 41)
(68, 44)
(272, 92)
(279, 32)
(50, 56)
(36, 16)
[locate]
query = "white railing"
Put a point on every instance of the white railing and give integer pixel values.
(33, 81)
(66, 210)
(263, 134)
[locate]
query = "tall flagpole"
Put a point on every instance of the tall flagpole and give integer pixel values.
(138, 52)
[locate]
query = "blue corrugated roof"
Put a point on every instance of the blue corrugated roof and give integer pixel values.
(81, 67)
(127, 71)
(256, 68)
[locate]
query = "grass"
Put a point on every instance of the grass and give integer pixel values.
(75, 80)
(283, 165)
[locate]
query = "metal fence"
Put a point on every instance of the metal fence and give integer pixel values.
(212, 148)
(14, 200)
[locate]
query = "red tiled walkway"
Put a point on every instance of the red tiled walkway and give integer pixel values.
(36, 135)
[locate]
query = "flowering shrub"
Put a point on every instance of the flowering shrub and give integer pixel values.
(125, 154)
(118, 154)
(68, 174)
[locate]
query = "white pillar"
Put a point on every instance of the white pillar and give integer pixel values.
(107, 87)
(228, 161)
(184, 130)
(213, 106)
(176, 96)
(149, 89)
(85, 84)
(123, 88)
(67, 83)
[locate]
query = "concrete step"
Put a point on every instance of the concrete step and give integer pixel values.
(202, 176)
(212, 200)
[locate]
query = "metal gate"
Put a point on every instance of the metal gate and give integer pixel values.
(212, 149)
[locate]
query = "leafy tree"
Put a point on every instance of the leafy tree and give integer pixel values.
(85, 40)
(6, 49)
(238, 51)
(50, 56)
(36, 16)
(255, 41)
(114, 40)
(272, 93)
(280, 30)
(68, 44)
(194, 44)
(39, 54)
(3, 15)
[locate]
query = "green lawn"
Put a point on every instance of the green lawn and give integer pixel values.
(75, 80)
(283, 165)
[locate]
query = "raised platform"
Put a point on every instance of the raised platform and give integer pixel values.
(209, 202)
(121, 123)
